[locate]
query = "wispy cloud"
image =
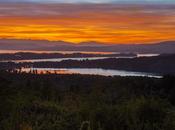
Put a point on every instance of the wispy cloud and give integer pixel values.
(97, 22)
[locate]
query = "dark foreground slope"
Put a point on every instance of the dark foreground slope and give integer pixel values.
(76, 102)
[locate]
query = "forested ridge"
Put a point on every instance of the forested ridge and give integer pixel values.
(86, 102)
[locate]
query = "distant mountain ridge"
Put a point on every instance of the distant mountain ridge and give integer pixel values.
(11, 44)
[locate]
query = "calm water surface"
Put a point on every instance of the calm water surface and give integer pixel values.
(61, 59)
(70, 52)
(62, 52)
(91, 71)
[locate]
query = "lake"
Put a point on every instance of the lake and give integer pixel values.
(61, 59)
(62, 52)
(71, 58)
(91, 71)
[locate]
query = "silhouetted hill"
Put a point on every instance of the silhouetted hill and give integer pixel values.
(162, 47)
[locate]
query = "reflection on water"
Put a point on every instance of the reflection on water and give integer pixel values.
(61, 59)
(79, 59)
(71, 52)
(62, 52)
(147, 55)
(91, 71)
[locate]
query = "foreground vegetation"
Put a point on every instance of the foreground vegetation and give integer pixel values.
(84, 102)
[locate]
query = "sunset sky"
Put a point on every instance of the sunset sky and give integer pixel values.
(108, 21)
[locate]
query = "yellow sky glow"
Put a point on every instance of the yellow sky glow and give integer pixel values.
(116, 25)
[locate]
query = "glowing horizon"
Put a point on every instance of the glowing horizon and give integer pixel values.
(106, 23)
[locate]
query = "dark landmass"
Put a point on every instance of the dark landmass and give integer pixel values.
(86, 102)
(30, 56)
(163, 64)
(40, 45)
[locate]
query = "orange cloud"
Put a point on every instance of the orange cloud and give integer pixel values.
(78, 23)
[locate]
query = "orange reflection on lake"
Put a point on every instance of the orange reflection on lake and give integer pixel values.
(45, 71)
(86, 71)
(62, 52)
